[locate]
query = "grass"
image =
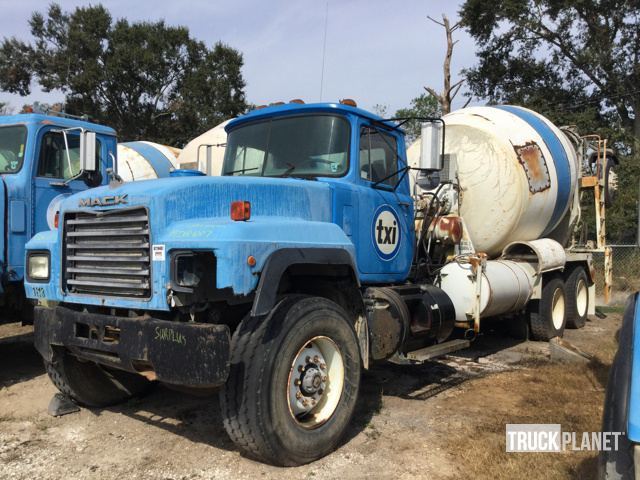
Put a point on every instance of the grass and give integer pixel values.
(542, 392)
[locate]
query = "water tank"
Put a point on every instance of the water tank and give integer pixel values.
(517, 174)
(145, 160)
(193, 155)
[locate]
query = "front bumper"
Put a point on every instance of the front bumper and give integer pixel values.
(193, 354)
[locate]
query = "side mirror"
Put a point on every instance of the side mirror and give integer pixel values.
(88, 158)
(431, 134)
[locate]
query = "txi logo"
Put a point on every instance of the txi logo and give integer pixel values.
(386, 232)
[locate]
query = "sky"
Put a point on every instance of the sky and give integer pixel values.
(377, 51)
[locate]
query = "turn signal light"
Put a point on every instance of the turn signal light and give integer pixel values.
(56, 220)
(240, 211)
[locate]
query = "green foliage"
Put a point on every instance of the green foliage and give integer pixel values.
(576, 62)
(148, 80)
(424, 105)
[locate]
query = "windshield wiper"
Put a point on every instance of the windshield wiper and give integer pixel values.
(288, 171)
(242, 170)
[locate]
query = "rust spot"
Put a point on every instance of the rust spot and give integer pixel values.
(449, 229)
(535, 166)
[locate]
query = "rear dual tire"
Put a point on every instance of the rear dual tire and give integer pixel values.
(577, 288)
(548, 316)
(293, 383)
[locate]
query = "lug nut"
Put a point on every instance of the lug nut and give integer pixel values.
(297, 382)
(298, 395)
(320, 391)
(323, 366)
(300, 368)
(316, 359)
(308, 359)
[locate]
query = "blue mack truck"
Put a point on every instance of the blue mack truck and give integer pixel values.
(280, 280)
(39, 166)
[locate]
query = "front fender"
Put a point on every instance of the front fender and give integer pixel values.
(233, 242)
(282, 259)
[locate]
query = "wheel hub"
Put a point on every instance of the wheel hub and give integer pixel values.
(308, 389)
(316, 382)
(311, 380)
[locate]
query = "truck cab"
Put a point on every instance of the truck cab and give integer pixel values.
(36, 174)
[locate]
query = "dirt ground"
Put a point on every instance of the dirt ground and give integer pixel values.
(442, 420)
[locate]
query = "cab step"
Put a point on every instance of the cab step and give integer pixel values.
(438, 350)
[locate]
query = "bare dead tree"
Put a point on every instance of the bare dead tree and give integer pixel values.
(450, 91)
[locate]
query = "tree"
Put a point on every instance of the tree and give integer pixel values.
(148, 80)
(424, 105)
(41, 107)
(559, 54)
(380, 110)
(450, 91)
(5, 109)
(576, 62)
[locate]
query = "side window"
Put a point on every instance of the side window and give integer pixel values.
(53, 160)
(378, 156)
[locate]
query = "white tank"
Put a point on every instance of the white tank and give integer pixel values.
(193, 155)
(145, 160)
(517, 174)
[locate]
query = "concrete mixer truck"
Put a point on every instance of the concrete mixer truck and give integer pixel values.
(308, 260)
(39, 164)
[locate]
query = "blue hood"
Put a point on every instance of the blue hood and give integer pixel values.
(176, 199)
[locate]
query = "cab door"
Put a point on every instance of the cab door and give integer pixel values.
(55, 175)
(385, 240)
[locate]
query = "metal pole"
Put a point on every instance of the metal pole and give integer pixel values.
(324, 48)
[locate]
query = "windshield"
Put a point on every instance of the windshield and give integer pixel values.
(311, 146)
(12, 144)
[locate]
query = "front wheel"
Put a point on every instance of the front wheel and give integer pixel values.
(293, 383)
(92, 385)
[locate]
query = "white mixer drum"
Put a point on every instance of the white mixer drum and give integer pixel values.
(517, 174)
(145, 160)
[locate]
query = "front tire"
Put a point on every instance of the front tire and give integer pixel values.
(91, 385)
(293, 383)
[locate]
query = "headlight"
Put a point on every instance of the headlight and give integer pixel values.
(193, 270)
(38, 266)
(185, 271)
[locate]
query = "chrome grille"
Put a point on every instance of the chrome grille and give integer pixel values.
(108, 253)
